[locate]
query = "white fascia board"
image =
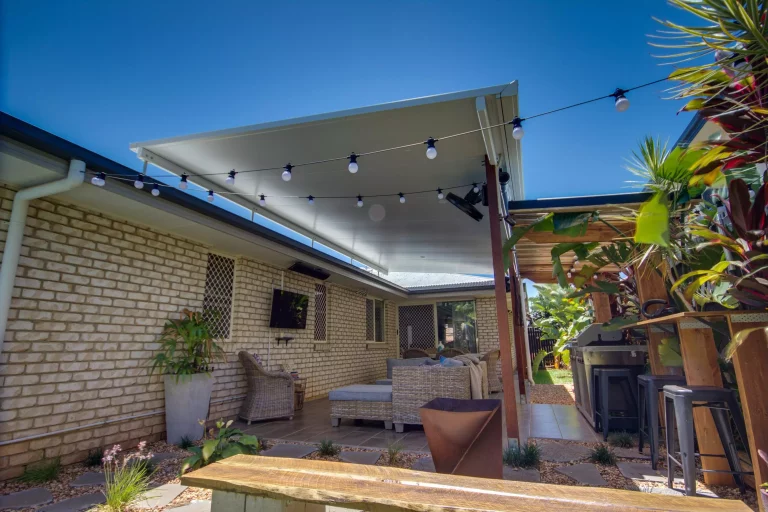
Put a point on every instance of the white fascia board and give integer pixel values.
(165, 164)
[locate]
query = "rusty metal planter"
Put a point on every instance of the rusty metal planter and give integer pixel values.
(464, 436)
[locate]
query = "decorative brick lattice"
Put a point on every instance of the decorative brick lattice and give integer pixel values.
(321, 312)
(217, 303)
(417, 327)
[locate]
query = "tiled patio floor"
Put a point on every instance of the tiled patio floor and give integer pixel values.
(313, 424)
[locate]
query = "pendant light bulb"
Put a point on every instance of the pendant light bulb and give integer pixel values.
(353, 167)
(210, 196)
(475, 188)
(621, 103)
(431, 150)
(517, 128)
(262, 200)
(231, 178)
(402, 198)
(440, 195)
(139, 183)
(310, 200)
(183, 184)
(99, 180)
(359, 201)
(156, 190)
(287, 172)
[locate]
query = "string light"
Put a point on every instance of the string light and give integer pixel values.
(621, 103)
(183, 184)
(310, 200)
(475, 188)
(431, 150)
(262, 200)
(440, 195)
(287, 172)
(210, 196)
(517, 128)
(99, 180)
(353, 167)
(402, 198)
(156, 190)
(139, 183)
(359, 201)
(230, 178)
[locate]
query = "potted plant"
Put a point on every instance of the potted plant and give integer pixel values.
(188, 349)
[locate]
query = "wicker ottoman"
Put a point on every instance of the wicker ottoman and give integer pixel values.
(361, 402)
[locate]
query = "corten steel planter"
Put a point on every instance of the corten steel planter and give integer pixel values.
(464, 436)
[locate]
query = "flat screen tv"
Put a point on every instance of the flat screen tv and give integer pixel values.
(289, 310)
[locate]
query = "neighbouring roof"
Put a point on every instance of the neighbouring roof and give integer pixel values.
(433, 281)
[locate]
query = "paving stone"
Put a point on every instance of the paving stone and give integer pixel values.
(195, 506)
(521, 475)
(90, 478)
(424, 464)
(291, 451)
(368, 458)
(632, 453)
(556, 452)
(77, 504)
(666, 491)
(30, 498)
(161, 496)
(586, 474)
(640, 471)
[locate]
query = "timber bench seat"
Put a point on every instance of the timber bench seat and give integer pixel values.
(252, 483)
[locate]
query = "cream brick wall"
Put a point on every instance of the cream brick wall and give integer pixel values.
(488, 329)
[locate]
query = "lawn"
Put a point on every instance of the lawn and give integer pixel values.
(553, 377)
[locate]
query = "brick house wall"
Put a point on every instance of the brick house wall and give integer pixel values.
(488, 330)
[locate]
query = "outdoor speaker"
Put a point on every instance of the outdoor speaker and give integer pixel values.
(310, 271)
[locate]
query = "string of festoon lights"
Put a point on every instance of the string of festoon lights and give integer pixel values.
(621, 104)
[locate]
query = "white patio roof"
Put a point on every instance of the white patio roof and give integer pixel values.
(422, 235)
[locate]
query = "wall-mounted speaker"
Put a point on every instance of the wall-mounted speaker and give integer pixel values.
(308, 270)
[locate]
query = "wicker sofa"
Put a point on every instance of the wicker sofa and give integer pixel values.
(270, 394)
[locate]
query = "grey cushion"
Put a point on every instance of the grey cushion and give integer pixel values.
(450, 363)
(362, 393)
(384, 382)
(391, 363)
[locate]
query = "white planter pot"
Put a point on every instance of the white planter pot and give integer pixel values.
(186, 402)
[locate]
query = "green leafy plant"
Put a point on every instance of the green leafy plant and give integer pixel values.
(393, 452)
(188, 347)
(621, 439)
(43, 471)
(328, 449)
(536, 365)
(94, 457)
(522, 456)
(186, 443)
(559, 316)
(669, 352)
(602, 454)
(224, 443)
(126, 478)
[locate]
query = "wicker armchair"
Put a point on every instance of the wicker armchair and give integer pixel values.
(452, 352)
(270, 394)
(491, 359)
(413, 353)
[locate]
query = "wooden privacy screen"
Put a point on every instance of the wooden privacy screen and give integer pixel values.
(249, 483)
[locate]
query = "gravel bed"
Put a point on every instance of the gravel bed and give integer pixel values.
(558, 394)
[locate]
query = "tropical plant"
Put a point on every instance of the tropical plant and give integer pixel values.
(126, 478)
(328, 449)
(41, 472)
(540, 355)
(188, 347)
(522, 456)
(224, 443)
(559, 316)
(602, 454)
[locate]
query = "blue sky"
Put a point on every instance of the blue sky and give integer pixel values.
(103, 74)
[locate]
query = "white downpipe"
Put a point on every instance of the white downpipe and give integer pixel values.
(16, 225)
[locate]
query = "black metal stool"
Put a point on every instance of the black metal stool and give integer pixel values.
(648, 389)
(679, 404)
(601, 386)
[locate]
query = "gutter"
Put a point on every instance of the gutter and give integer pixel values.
(16, 225)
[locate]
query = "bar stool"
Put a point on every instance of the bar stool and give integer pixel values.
(601, 385)
(648, 389)
(679, 404)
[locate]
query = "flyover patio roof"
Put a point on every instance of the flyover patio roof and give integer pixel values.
(421, 235)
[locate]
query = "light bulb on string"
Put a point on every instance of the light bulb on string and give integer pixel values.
(475, 188)
(402, 198)
(99, 180)
(431, 150)
(156, 190)
(262, 200)
(310, 200)
(210, 196)
(353, 167)
(359, 201)
(621, 102)
(139, 183)
(440, 195)
(231, 178)
(517, 128)
(183, 184)
(287, 172)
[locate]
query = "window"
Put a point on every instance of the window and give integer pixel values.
(217, 301)
(374, 320)
(456, 325)
(321, 312)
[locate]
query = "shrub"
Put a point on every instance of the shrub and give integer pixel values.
(522, 456)
(621, 439)
(328, 449)
(226, 443)
(126, 480)
(94, 457)
(188, 346)
(602, 454)
(186, 443)
(43, 471)
(393, 452)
